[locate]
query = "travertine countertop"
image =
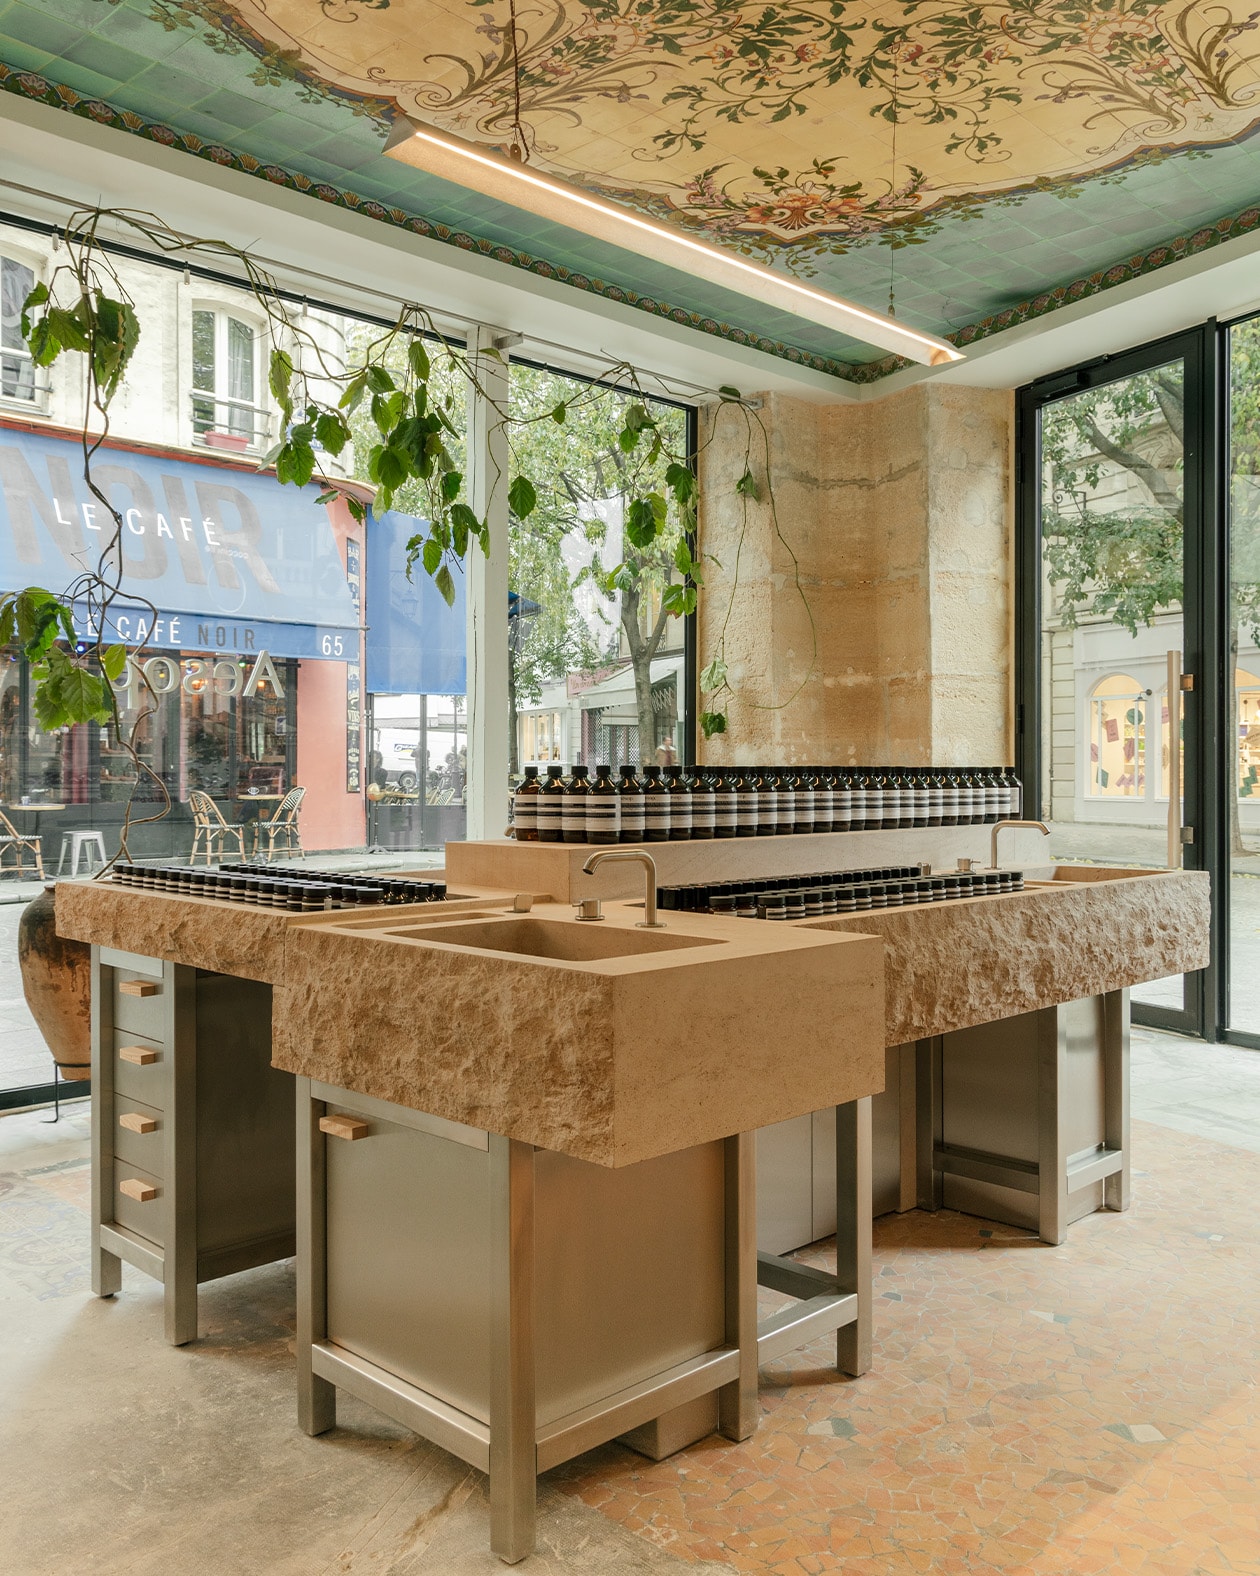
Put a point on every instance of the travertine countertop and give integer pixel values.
(611, 1059)
(1082, 932)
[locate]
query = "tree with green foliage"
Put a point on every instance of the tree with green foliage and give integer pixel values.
(609, 482)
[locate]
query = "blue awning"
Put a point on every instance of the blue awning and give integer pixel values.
(415, 643)
(234, 560)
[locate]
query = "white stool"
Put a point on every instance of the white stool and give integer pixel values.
(91, 844)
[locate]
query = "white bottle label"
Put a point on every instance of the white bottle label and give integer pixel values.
(525, 812)
(656, 812)
(802, 810)
(573, 817)
(680, 812)
(725, 811)
(858, 799)
(843, 811)
(630, 816)
(824, 806)
(892, 806)
(746, 808)
(603, 819)
(767, 808)
(703, 812)
(549, 808)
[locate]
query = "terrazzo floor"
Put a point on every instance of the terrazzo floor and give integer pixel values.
(1031, 1411)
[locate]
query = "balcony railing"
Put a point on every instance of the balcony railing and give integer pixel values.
(220, 422)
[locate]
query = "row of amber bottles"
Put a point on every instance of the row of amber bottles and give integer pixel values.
(674, 805)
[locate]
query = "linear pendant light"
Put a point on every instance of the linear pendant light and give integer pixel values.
(482, 170)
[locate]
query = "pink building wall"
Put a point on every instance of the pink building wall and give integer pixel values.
(330, 817)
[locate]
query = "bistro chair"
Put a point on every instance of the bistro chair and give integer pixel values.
(210, 830)
(281, 827)
(12, 842)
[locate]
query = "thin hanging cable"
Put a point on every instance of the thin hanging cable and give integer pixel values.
(892, 183)
(520, 147)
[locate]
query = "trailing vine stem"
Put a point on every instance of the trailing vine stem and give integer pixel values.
(403, 382)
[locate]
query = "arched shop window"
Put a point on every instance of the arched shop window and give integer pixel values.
(1247, 713)
(226, 352)
(1117, 738)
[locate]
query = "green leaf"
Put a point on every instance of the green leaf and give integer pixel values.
(378, 379)
(729, 393)
(353, 392)
(712, 722)
(37, 297)
(560, 413)
(115, 335)
(279, 379)
(641, 523)
(329, 495)
(522, 498)
(331, 431)
(432, 556)
(66, 692)
(450, 485)
(113, 661)
(714, 676)
(681, 481)
(296, 461)
(442, 580)
(8, 621)
(418, 357)
(682, 558)
(747, 487)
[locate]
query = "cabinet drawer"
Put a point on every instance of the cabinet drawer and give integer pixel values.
(139, 1002)
(143, 1216)
(133, 1146)
(141, 1068)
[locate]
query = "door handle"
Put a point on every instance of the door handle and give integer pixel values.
(347, 1127)
(1175, 687)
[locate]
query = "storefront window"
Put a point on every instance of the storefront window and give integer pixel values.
(596, 666)
(1247, 702)
(1117, 738)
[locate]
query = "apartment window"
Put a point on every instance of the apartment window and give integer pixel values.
(17, 370)
(227, 413)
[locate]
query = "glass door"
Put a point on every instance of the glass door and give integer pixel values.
(1112, 462)
(1242, 699)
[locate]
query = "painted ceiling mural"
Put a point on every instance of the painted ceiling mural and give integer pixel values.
(791, 131)
(989, 162)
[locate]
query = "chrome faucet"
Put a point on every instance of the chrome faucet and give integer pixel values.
(1039, 826)
(635, 856)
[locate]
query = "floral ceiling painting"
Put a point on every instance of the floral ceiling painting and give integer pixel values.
(794, 131)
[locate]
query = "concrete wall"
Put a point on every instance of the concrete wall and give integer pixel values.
(895, 516)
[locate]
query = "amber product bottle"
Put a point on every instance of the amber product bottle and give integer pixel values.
(525, 808)
(935, 797)
(725, 804)
(703, 805)
(745, 802)
(966, 797)
(802, 800)
(655, 806)
(919, 798)
(950, 798)
(857, 794)
(824, 799)
(573, 806)
(763, 784)
(602, 818)
(629, 807)
(679, 805)
(993, 794)
(842, 802)
(550, 807)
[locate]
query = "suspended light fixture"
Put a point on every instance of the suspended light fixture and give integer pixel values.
(482, 170)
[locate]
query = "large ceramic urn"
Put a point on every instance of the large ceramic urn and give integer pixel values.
(57, 984)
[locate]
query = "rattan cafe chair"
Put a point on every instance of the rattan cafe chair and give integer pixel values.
(279, 833)
(210, 831)
(13, 842)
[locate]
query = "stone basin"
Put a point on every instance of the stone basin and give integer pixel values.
(570, 941)
(1054, 875)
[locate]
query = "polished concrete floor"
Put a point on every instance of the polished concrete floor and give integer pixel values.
(1031, 1411)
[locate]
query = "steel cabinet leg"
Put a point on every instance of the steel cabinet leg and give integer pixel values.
(179, 1281)
(928, 1124)
(1115, 1008)
(513, 1419)
(317, 1398)
(106, 1266)
(739, 1409)
(853, 1231)
(1052, 1179)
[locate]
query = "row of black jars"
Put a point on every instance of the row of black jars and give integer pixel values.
(698, 896)
(296, 892)
(355, 888)
(863, 897)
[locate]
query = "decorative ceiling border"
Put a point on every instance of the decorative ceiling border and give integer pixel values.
(31, 85)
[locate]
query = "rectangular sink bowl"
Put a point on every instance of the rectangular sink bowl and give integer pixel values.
(570, 941)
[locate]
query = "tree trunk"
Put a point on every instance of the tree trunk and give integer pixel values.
(514, 760)
(641, 664)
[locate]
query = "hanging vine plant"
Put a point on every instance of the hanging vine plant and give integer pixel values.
(402, 383)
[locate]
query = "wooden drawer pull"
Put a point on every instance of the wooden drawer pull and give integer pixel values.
(343, 1127)
(142, 1192)
(138, 987)
(134, 1122)
(138, 1055)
